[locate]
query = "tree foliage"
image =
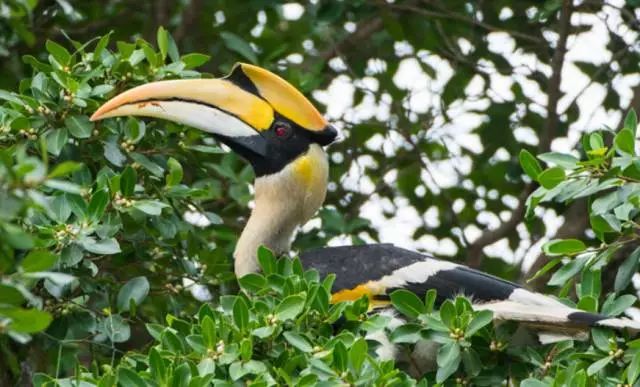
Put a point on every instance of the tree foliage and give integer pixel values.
(113, 235)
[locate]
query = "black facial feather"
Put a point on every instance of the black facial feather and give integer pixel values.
(240, 79)
(280, 150)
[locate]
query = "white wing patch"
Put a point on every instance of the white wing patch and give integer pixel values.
(526, 297)
(619, 323)
(417, 272)
(515, 311)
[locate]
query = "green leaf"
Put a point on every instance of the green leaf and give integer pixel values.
(408, 333)
(116, 328)
(290, 307)
(551, 177)
(340, 356)
(163, 41)
(100, 90)
(358, 354)
(430, 300)
(26, 320)
(624, 142)
(209, 332)
(252, 282)
(196, 342)
(626, 271)
(588, 304)
(239, 45)
(563, 247)
(596, 141)
(134, 129)
(98, 204)
(618, 306)
(407, 303)
(298, 341)
(17, 237)
(471, 361)
(181, 375)
(529, 164)
(150, 207)
(174, 176)
(10, 295)
(128, 180)
(136, 290)
(171, 341)
(479, 321)
(448, 360)
(38, 260)
(128, 377)
(113, 154)
(59, 53)
(102, 247)
(194, 60)
(267, 260)
(64, 168)
(64, 186)
(149, 165)
(591, 284)
(566, 272)
(101, 45)
(633, 371)
(595, 367)
(211, 149)
(631, 122)
(156, 365)
(56, 140)
(600, 337)
(241, 313)
(155, 330)
(448, 313)
(79, 126)
(562, 160)
(60, 279)
(531, 382)
(264, 332)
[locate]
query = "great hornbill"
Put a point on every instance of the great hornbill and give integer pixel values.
(276, 128)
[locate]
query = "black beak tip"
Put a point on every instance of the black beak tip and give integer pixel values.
(327, 135)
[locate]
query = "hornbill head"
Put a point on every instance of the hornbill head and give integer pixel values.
(265, 120)
(256, 113)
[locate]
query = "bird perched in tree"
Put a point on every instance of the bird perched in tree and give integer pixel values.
(281, 134)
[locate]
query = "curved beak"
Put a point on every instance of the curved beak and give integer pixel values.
(218, 106)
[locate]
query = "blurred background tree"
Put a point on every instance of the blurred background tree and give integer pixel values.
(435, 100)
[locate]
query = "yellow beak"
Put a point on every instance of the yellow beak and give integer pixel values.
(212, 105)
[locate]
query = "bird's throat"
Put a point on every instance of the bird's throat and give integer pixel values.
(283, 201)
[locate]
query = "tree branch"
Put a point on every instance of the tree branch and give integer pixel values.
(475, 249)
(189, 18)
(363, 31)
(458, 17)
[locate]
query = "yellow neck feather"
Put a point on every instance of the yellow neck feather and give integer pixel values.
(283, 201)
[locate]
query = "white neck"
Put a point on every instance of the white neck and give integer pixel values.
(283, 201)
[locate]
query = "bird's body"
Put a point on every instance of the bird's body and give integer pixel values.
(273, 126)
(383, 268)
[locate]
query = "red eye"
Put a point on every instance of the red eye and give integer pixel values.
(282, 131)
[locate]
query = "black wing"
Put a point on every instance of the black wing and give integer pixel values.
(356, 265)
(383, 268)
